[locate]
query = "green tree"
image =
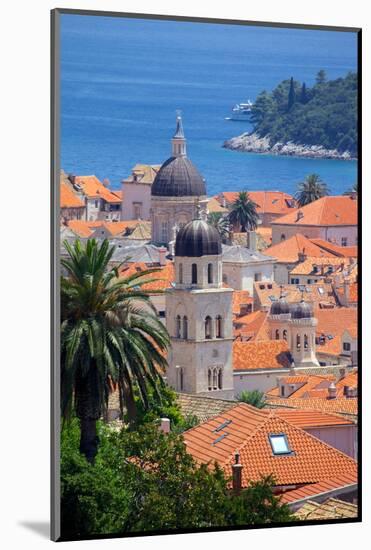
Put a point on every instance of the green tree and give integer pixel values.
(254, 397)
(221, 224)
(321, 77)
(243, 212)
(310, 190)
(303, 94)
(110, 335)
(291, 96)
(353, 190)
(145, 480)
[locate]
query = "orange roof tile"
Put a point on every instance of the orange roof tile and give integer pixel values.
(253, 324)
(93, 188)
(340, 405)
(214, 205)
(86, 228)
(311, 419)
(246, 430)
(269, 202)
(160, 280)
(288, 251)
(306, 383)
(319, 294)
(68, 199)
(327, 211)
(325, 486)
(345, 251)
(329, 265)
(143, 173)
(333, 322)
(261, 355)
(240, 298)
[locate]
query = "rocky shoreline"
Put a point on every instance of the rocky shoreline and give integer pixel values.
(252, 143)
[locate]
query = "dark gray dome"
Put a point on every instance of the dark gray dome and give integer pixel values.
(280, 307)
(197, 238)
(303, 310)
(178, 177)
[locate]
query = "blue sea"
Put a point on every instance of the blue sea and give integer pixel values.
(123, 79)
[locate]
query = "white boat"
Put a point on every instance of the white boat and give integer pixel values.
(241, 111)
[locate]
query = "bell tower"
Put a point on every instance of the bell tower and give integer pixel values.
(178, 142)
(199, 315)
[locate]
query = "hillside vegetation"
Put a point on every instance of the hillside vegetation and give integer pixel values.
(325, 114)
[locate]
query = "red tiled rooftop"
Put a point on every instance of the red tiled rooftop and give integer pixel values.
(261, 355)
(327, 211)
(269, 202)
(68, 199)
(289, 249)
(94, 188)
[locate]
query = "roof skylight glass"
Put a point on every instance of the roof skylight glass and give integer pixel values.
(279, 444)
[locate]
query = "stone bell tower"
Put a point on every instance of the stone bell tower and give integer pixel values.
(199, 315)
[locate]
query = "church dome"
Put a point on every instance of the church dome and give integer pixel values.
(198, 238)
(303, 310)
(178, 177)
(280, 307)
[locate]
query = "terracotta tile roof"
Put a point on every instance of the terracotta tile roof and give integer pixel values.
(327, 211)
(269, 202)
(202, 407)
(305, 384)
(160, 280)
(246, 430)
(266, 234)
(261, 355)
(93, 188)
(68, 199)
(214, 205)
(86, 228)
(143, 173)
(332, 508)
(311, 419)
(287, 251)
(118, 193)
(339, 405)
(240, 298)
(325, 486)
(353, 292)
(319, 294)
(253, 325)
(333, 323)
(345, 251)
(323, 265)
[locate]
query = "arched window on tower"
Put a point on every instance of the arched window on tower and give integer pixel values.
(209, 379)
(177, 326)
(215, 379)
(305, 341)
(298, 341)
(284, 334)
(181, 379)
(218, 326)
(194, 274)
(181, 273)
(220, 379)
(210, 278)
(185, 327)
(208, 327)
(277, 334)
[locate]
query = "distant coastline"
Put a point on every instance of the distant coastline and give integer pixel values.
(252, 143)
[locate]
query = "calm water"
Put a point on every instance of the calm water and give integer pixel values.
(123, 79)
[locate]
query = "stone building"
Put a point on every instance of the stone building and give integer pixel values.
(136, 192)
(199, 315)
(176, 192)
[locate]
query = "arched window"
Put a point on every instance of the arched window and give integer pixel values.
(181, 379)
(305, 341)
(208, 327)
(220, 379)
(210, 273)
(181, 273)
(284, 334)
(177, 326)
(194, 274)
(215, 379)
(298, 341)
(185, 327)
(218, 326)
(277, 334)
(209, 380)
(283, 237)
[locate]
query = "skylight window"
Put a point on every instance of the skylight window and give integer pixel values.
(320, 290)
(279, 444)
(273, 298)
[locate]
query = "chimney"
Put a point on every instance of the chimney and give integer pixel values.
(302, 256)
(332, 391)
(252, 240)
(352, 392)
(162, 253)
(165, 425)
(237, 474)
(346, 391)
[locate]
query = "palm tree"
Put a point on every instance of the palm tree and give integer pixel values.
(243, 212)
(255, 398)
(311, 189)
(353, 190)
(221, 224)
(110, 337)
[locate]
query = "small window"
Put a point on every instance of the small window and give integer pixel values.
(283, 237)
(218, 326)
(194, 274)
(181, 379)
(181, 273)
(277, 334)
(344, 241)
(284, 334)
(210, 273)
(177, 328)
(185, 327)
(257, 277)
(220, 379)
(305, 341)
(208, 327)
(279, 444)
(298, 341)
(346, 346)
